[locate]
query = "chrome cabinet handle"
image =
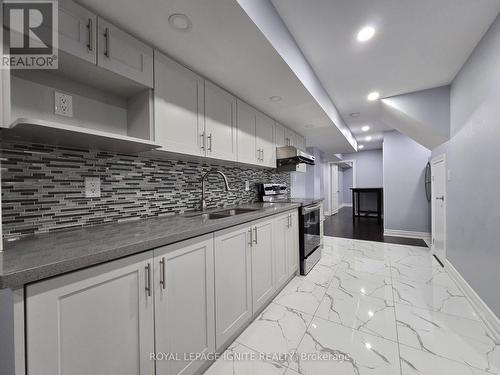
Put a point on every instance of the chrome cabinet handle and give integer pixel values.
(148, 280)
(289, 224)
(262, 155)
(291, 221)
(90, 44)
(251, 236)
(255, 230)
(441, 198)
(203, 141)
(210, 142)
(106, 42)
(258, 154)
(163, 281)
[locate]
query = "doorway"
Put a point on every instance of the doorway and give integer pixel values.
(438, 206)
(342, 179)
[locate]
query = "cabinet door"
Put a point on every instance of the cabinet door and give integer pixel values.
(293, 244)
(184, 303)
(300, 142)
(233, 284)
(77, 31)
(95, 321)
(281, 226)
(289, 137)
(123, 54)
(279, 135)
(178, 107)
(247, 145)
(220, 123)
(262, 263)
(265, 140)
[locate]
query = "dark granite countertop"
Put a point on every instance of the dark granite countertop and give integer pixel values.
(46, 255)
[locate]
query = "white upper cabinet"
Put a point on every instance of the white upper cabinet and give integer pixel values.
(77, 31)
(289, 138)
(95, 321)
(220, 123)
(247, 140)
(184, 303)
(178, 107)
(123, 54)
(300, 142)
(279, 135)
(265, 140)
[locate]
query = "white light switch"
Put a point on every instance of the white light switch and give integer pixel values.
(247, 185)
(92, 187)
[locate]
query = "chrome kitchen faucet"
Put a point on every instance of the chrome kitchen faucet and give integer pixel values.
(203, 203)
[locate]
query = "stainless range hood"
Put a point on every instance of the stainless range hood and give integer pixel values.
(289, 157)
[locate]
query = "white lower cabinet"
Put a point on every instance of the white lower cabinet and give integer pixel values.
(96, 321)
(233, 284)
(182, 299)
(184, 303)
(263, 285)
(292, 244)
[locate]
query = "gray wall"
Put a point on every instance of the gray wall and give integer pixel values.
(369, 167)
(473, 157)
(405, 203)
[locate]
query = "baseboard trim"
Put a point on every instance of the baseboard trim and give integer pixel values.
(489, 318)
(345, 205)
(407, 234)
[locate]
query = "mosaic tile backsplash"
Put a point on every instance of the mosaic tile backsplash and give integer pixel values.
(43, 187)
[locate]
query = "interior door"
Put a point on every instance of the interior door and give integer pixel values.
(438, 186)
(335, 189)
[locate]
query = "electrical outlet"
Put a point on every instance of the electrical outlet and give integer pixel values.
(92, 187)
(247, 185)
(63, 104)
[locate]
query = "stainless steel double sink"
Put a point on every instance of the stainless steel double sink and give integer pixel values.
(222, 213)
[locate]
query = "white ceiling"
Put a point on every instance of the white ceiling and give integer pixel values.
(225, 46)
(418, 44)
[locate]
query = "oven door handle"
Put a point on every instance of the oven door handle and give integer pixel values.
(306, 210)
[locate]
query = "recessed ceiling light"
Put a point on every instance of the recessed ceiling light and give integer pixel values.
(275, 98)
(373, 96)
(368, 345)
(369, 138)
(360, 147)
(365, 128)
(354, 114)
(180, 22)
(366, 33)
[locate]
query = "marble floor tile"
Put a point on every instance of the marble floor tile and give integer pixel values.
(360, 283)
(278, 330)
(240, 360)
(320, 275)
(301, 294)
(340, 350)
(426, 275)
(367, 308)
(417, 362)
(367, 314)
(447, 300)
(459, 339)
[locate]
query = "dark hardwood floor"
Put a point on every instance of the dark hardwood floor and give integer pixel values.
(363, 228)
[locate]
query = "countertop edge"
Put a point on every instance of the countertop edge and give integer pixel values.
(18, 279)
